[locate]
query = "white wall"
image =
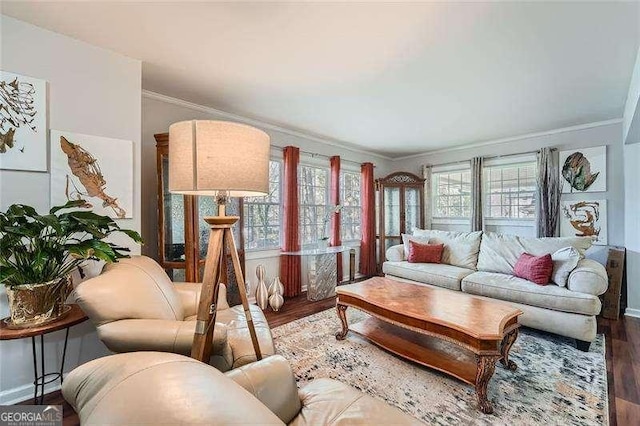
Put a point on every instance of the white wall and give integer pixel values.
(631, 118)
(159, 112)
(632, 226)
(631, 136)
(91, 91)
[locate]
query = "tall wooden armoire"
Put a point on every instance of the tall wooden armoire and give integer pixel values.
(400, 209)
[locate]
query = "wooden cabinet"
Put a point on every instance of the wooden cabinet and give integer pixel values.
(400, 208)
(183, 235)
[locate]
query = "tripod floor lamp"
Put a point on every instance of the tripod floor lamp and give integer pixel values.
(220, 159)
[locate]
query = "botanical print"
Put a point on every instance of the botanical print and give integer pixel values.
(584, 170)
(23, 123)
(94, 169)
(585, 219)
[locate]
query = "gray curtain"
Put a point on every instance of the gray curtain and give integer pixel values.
(548, 193)
(428, 198)
(476, 194)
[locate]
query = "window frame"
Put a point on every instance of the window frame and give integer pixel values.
(301, 205)
(247, 201)
(449, 170)
(358, 207)
(505, 163)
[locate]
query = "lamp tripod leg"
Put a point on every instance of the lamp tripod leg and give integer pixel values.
(231, 244)
(205, 323)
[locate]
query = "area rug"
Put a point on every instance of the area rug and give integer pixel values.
(555, 384)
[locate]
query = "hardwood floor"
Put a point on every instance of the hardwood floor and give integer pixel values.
(623, 369)
(622, 357)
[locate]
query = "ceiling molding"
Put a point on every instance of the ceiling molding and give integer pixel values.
(513, 138)
(259, 123)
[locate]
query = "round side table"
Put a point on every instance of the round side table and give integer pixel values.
(73, 317)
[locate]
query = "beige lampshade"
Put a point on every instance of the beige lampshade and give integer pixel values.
(207, 157)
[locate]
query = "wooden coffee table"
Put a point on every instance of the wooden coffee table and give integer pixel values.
(453, 332)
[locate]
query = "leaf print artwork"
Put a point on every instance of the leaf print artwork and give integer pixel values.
(86, 168)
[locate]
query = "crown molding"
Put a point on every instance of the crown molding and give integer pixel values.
(513, 138)
(260, 123)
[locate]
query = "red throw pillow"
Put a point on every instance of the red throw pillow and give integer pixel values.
(425, 253)
(537, 269)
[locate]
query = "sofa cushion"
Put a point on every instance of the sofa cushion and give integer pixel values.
(437, 274)
(329, 402)
(500, 252)
(132, 288)
(155, 388)
(271, 374)
(239, 337)
(588, 277)
(460, 248)
(395, 253)
(514, 289)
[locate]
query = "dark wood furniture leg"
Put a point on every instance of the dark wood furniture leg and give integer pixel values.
(484, 372)
(582, 345)
(340, 335)
(505, 347)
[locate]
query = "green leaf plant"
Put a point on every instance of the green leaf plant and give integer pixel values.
(37, 249)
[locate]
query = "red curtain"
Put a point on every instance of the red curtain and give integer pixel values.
(335, 218)
(368, 265)
(290, 271)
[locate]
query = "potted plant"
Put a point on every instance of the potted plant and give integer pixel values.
(38, 253)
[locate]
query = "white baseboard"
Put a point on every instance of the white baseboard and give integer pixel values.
(24, 393)
(632, 312)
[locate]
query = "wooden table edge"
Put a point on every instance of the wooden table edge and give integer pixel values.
(443, 323)
(66, 321)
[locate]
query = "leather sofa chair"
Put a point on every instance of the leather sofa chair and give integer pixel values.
(135, 307)
(151, 388)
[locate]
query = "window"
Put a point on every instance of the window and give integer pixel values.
(313, 184)
(509, 191)
(452, 194)
(350, 201)
(262, 214)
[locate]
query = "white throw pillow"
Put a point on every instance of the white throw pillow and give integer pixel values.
(405, 241)
(565, 260)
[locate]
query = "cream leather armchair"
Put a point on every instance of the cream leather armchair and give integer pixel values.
(151, 388)
(135, 307)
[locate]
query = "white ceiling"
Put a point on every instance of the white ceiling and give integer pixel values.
(391, 78)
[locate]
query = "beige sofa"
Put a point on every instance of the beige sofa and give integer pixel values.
(482, 263)
(152, 388)
(135, 307)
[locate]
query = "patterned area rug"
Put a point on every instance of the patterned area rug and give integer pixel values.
(555, 384)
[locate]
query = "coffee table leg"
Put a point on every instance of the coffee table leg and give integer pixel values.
(507, 342)
(484, 372)
(340, 335)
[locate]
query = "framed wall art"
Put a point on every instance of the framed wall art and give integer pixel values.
(584, 218)
(96, 169)
(23, 123)
(584, 170)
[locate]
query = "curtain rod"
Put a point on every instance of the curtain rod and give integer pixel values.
(315, 154)
(451, 163)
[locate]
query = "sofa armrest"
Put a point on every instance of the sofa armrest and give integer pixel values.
(588, 277)
(133, 335)
(189, 294)
(395, 253)
(273, 383)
